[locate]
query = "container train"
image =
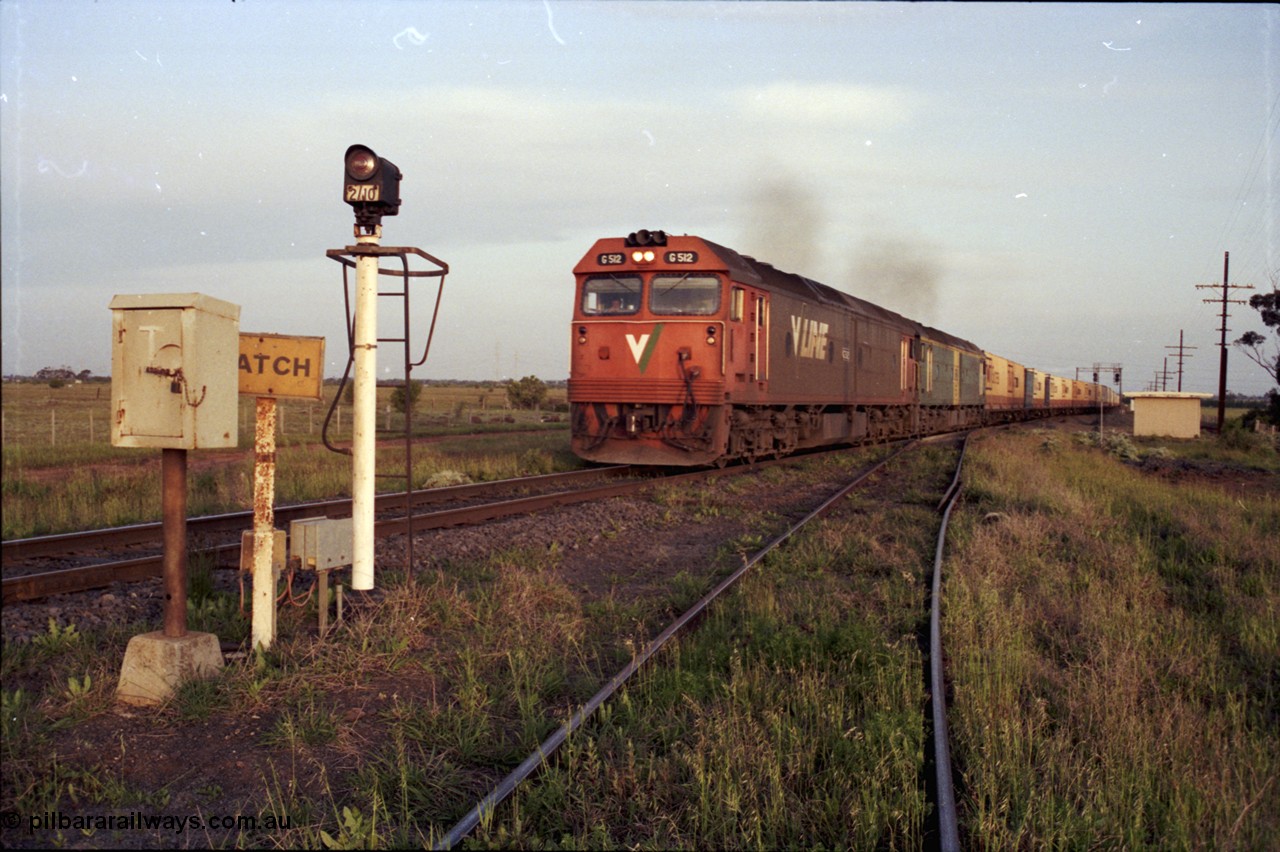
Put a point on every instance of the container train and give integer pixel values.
(685, 352)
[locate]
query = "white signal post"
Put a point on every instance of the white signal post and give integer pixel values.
(371, 185)
(364, 445)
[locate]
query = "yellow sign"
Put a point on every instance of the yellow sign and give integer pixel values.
(281, 365)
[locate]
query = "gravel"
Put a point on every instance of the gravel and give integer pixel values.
(623, 546)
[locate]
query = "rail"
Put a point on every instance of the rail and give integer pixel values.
(548, 747)
(38, 585)
(948, 822)
(35, 586)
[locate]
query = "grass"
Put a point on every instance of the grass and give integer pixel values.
(46, 426)
(1111, 641)
(1115, 650)
(449, 682)
(75, 484)
(792, 717)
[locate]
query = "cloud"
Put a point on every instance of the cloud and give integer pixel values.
(480, 162)
(833, 107)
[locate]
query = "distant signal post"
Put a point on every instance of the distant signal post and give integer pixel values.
(272, 366)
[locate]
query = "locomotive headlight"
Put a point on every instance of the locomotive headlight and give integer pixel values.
(639, 256)
(711, 335)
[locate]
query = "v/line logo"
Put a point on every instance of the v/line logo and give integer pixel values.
(643, 345)
(810, 337)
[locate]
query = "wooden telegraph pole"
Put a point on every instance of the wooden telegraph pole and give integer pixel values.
(1182, 348)
(1222, 361)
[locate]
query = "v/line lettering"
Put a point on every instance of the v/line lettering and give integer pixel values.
(810, 337)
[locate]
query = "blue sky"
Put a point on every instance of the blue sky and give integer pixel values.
(1048, 181)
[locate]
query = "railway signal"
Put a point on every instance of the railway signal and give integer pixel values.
(372, 188)
(371, 185)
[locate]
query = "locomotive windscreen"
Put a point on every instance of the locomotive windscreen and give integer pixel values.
(685, 295)
(611, 294)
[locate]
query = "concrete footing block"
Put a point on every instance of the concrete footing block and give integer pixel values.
(155, 665)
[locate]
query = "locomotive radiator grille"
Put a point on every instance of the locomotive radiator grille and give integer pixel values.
(668, 390)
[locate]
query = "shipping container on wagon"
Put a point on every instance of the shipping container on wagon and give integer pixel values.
(1004, 384)
(1037, 386)
(1061, 393)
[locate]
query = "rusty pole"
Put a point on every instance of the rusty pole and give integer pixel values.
(264, 522)
(173, 496)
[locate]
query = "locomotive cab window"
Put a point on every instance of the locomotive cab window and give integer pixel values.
(611, 295)
(684, 295)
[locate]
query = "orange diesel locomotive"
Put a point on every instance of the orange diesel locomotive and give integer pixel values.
(685, 352)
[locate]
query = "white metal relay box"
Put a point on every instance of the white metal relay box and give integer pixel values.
(174, 376)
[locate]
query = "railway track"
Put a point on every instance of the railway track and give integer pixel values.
(28, 576)
(941, 792)
(26, 561)
(517, 500)
(33, 568)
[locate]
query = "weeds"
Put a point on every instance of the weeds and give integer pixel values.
(86, 497)
(792, 717)
(57, 639)
(356, 831)
(1112, 639)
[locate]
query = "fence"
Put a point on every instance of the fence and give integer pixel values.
(37, 415)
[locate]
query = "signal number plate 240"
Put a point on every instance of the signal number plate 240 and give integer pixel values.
(363, 192)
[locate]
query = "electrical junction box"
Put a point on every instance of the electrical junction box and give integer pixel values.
(320, 544)
(174, 376)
